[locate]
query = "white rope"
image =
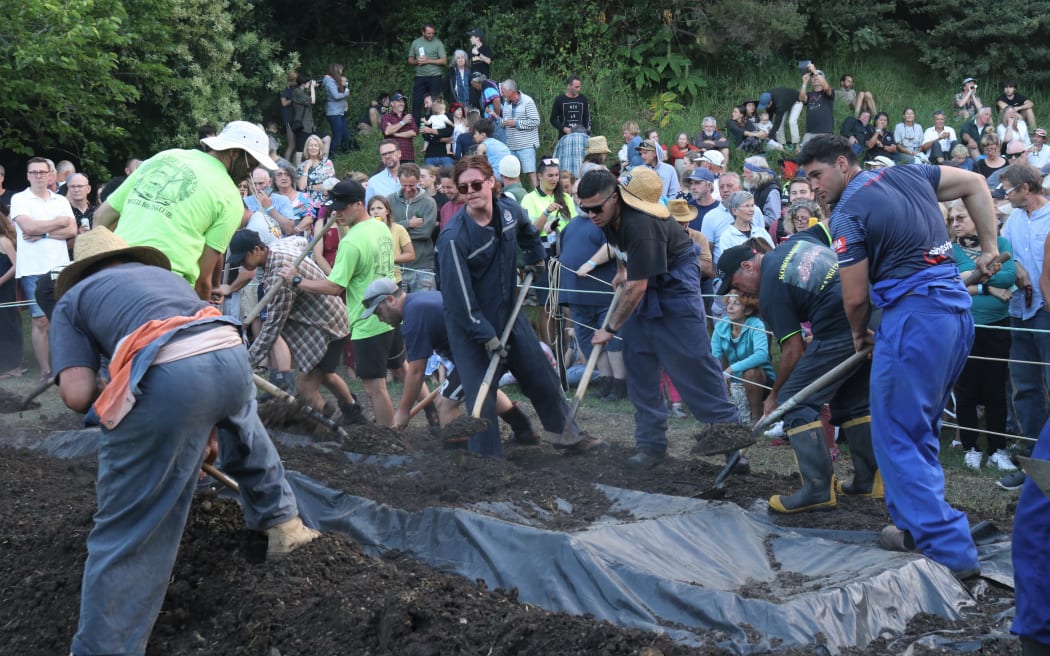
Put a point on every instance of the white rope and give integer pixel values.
(988, 432)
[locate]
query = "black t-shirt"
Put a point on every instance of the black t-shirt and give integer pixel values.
(1016, 101)
(987, 171)
(800, 282)
(648, 244)
(852, 127)
(820, 113)
(886, 138)
(478, 66)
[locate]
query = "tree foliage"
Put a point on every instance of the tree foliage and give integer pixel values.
(986, 40)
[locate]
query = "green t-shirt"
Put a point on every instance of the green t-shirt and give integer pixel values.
(179, 201)
(365, 254)
(434, 49)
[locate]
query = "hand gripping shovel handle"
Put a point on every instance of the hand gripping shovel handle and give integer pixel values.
(596, 351)
(973, 276)
(310, 413)
(843, 369)
(486, 382)
(217, 474)
(274, 288)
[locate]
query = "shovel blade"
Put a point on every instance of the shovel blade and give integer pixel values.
(717, 439)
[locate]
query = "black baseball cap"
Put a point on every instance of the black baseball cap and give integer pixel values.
(344, 194)
(729, 263)
(476, 32)
(242, 243)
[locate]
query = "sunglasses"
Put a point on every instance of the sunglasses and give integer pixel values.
(591, 210)
(550, 161)
(476, 185)
(1013, 155)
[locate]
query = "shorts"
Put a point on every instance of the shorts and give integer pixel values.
(451, 388)
(29, 284)
(527, 157)
(332, 356)
(374, 356)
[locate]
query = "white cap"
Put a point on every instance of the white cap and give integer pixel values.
(247, 137)
(509, 167)
(714, 158)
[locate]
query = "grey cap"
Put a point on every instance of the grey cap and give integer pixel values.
(376, 293)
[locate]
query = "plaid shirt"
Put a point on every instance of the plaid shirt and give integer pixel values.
(569, 152)
(308, 322)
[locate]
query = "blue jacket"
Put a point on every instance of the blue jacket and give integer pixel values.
(477, 268)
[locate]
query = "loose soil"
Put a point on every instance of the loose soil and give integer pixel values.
(330, 598)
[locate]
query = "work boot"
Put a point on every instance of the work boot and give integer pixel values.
(520, 424)
(892, 538)
(867, 481)
(644, 459)
(288, 536)
(617, 390)
(353, 415)
(814, 464)
(599, 386)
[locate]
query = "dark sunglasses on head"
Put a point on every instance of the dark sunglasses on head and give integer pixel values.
(470, 186)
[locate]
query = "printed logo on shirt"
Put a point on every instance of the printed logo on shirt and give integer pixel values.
(939, 254)
(508, 218)
(839, 245)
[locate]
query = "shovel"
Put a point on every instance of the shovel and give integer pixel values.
(581, 388)
(217, 474)
(274, 288)
(308, 412)
(486, 382)
(1038, 471)
(841, 370)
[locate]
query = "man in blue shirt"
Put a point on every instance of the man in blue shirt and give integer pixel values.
(888, 231)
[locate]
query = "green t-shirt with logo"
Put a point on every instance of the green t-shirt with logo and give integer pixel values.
(365, 254)
(179, 201)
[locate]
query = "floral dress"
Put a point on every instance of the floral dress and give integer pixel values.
(315, 176)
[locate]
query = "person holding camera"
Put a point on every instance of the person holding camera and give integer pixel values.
(820, 107)
(967, 103)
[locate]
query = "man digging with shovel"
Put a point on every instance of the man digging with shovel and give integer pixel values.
(477, 271)
(178, 368)
(421, 318)
(797, 282)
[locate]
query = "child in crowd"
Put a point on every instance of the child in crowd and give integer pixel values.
(741, 343)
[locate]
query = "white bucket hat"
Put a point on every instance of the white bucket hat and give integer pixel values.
(247, 137)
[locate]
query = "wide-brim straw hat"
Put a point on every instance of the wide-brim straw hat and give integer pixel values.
(681, 211)
(641, 188)
(98, 245)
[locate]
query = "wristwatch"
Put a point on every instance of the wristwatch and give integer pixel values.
(296, 280)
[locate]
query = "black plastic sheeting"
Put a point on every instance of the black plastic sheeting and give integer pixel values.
(678, 567)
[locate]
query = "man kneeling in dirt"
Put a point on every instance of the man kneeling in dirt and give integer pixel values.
(178, 368)
(421, 318)
(798, 282)
(314, 326)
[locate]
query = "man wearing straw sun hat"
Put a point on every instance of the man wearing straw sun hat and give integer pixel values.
(660, 314)
(177, 369)
(186, 204)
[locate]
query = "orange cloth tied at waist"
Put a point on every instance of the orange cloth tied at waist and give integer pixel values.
(116, 400)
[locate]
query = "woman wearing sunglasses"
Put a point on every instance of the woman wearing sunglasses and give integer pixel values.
(477, 269)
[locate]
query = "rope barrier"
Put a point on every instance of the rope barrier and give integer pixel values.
(988, 432)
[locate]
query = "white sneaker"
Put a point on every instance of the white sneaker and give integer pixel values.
(1001, 460)
(956, 444)
(776, 430)
(972, 459)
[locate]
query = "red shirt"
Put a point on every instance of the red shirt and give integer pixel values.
(408, 150)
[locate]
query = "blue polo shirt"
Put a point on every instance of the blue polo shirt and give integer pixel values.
(423, 326)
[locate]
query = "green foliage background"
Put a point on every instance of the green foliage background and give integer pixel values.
(98, 80)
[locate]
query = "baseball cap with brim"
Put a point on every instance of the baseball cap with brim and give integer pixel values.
(681, 211)
(881, 160)
(597, 146)
(509, 167)
(763, 101)
(97, 246)
(242, 243)
(344, 194)
(1040, 132)
(968, 80)
(476, 32)
(700, 174)
(714, 157)
(377, 291)
(646, 145)
(247, 137)
(641, 189)
(478, 76)
(729, 263)
(397, 97)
